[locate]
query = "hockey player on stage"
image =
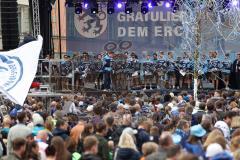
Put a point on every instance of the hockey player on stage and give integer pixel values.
(214, 68)
(155, 73)
(147, 71)
(107, 70)
(185, 69)
(161, 70)
(135, 67)
(171, 70)
(226, 69)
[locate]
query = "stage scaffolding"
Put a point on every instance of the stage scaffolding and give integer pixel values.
(50, 75)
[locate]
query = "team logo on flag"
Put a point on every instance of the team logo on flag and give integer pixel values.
(11, 71)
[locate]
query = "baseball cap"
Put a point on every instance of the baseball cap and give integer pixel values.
(197, 131)
(90, 108)
(213, 149)
(224, 128)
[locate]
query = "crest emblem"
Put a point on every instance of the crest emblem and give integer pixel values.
(91, 25)
(11, 71)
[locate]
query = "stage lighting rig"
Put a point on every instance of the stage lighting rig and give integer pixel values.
(144, 7)
(119, 5)
(78, 8)
(128, 8)
(94, 7)
(110, 7)
(175, 8)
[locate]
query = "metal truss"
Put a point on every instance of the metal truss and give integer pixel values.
(35, 18)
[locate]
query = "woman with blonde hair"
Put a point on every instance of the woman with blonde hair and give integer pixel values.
(235, 143)
(236, 154)
(126, 148)
(235, 124)
(215, 136)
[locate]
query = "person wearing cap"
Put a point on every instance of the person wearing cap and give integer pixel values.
(20, 130)
(224, 128)
(194, 144)
(38, 123)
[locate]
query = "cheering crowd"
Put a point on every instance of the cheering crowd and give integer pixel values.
(130, 126)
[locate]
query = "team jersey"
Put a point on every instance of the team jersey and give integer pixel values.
(214, 64)
(161, 64)
(171, 65)
(226, 66)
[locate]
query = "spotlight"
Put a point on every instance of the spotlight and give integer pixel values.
(128, 8)
(150, 5)
(167, 5)
(69, 3)
(144, 8)
(85, 4)
(78, 8)
(110, 7)
(234, 3)
(94, 8)
(119, 5)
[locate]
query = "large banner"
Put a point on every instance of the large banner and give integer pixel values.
(160, 29)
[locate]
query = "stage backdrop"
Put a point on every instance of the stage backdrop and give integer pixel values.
(158, 30)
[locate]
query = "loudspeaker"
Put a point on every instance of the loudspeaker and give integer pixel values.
(9, 22)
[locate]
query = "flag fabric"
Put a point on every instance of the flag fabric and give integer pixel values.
(17, 70)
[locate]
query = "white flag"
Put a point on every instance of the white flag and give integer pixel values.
(17, 70)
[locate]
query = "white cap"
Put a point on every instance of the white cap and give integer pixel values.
(171, 94)
(160, 106)
(224, 128)
(126, 106)
(170, 105)
(213, 149)
(90, 108)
